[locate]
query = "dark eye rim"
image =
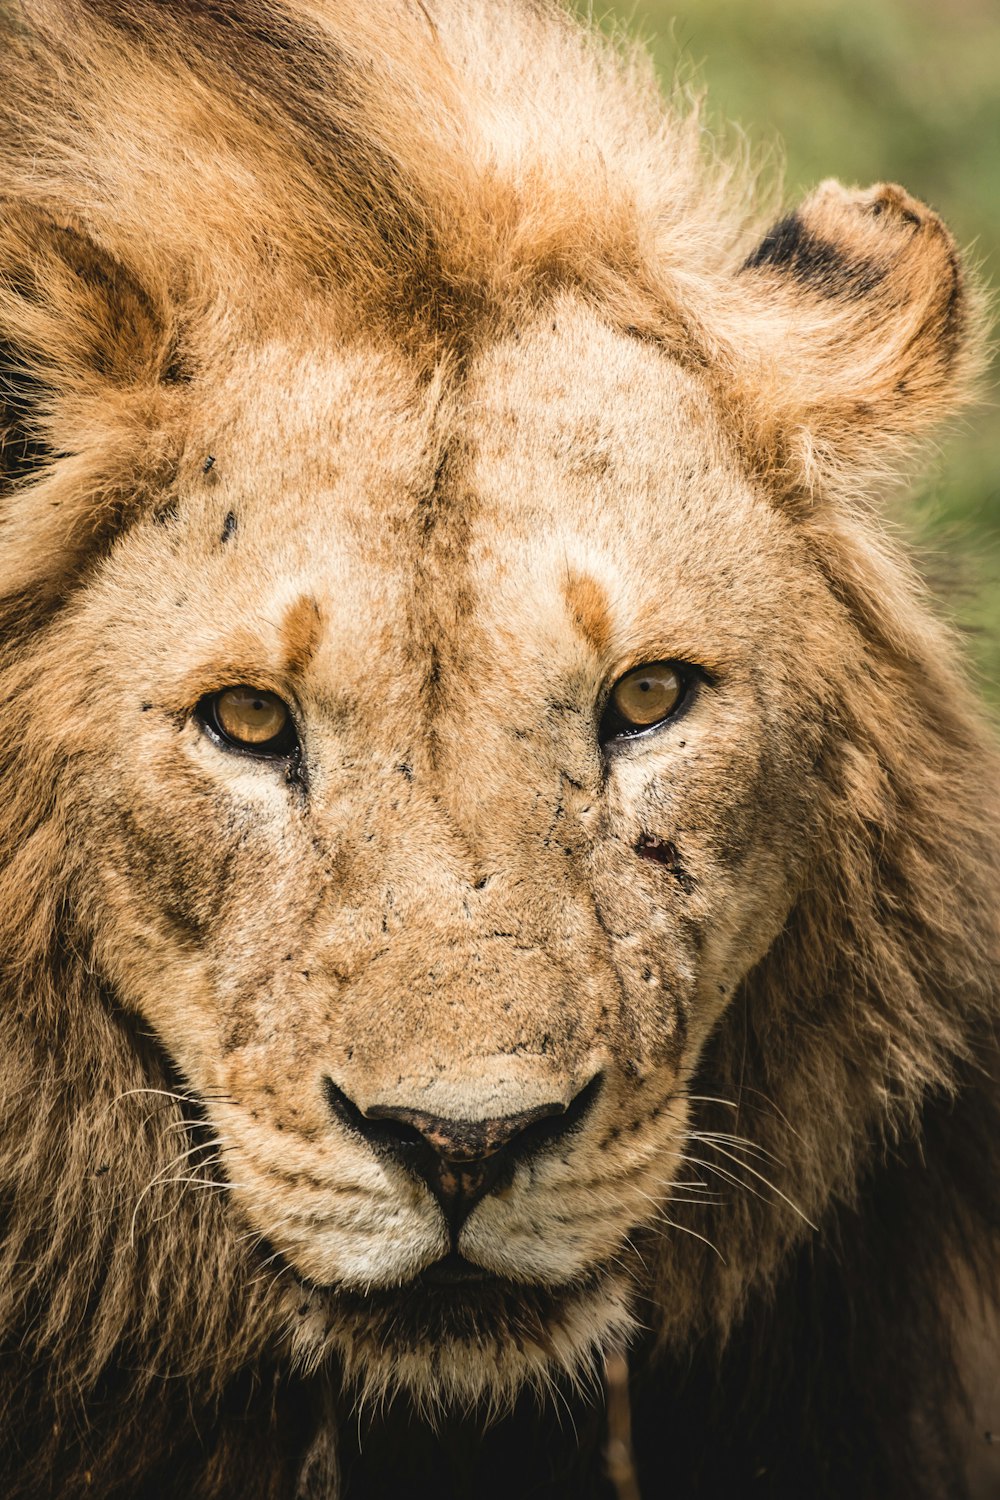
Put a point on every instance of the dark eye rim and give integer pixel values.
(285, 747)
(613, 729)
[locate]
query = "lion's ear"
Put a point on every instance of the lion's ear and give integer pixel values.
(84, 346)
(859, 331)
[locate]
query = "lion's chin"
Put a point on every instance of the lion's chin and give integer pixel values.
(456, 1337)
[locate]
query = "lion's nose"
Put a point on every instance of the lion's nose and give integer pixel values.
(460, 1160)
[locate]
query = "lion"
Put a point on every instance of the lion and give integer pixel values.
(499, 857)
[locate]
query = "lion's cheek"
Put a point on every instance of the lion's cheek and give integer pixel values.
(687, 917)
(560, 1218)
(329, 1208)
(197, 915)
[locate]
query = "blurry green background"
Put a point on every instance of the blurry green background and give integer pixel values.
(866, 90)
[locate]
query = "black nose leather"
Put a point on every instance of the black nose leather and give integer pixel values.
(460, 1160)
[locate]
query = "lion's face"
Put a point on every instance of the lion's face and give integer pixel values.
(460, 901)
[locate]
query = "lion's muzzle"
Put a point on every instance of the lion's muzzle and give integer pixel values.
(460, 1160)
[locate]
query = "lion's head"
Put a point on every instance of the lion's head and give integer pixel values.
(476, 764)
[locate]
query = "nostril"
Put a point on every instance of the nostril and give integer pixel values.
(344, 1109)
(463, 1140)
(379, 1131)
(535, 1135)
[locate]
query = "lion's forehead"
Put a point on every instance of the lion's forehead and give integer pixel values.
(574, 483)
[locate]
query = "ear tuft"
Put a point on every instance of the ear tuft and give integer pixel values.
(69, 308)
(860, 328)
(84, 350)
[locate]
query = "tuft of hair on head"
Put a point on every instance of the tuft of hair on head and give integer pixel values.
(87, 363)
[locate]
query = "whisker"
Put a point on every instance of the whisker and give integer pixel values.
(749, 1089)
(161, 1181)
(635, 1251)
(725, 1174)
(172, 1208)
(738, 1142)
(710, 1099)
(761, 1178)
(663, 1218)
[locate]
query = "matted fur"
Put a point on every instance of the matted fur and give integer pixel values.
(324, 281)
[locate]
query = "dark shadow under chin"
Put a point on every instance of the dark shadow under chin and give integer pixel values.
(541, 1448)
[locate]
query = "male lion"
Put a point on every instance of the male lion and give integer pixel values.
(498, 860)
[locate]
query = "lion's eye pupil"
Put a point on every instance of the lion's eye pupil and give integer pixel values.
(252, 718)
(643, 697)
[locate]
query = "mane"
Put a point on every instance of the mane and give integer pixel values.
(432, 174)
(435, 167)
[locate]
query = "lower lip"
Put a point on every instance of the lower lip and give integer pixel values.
(453, 1270)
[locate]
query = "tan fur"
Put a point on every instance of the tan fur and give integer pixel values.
(433, 383)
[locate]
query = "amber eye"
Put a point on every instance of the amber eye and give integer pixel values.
(643, 697)
(251, 719)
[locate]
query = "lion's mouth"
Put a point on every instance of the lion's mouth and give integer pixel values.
(459, 1333)
(453, 1270)
(453, 1299)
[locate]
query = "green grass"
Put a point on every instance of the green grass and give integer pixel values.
(899, 90)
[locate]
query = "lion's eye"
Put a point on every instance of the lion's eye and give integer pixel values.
(642, 698)
(251, 719)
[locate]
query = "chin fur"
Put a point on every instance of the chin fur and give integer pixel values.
(449, 1349)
